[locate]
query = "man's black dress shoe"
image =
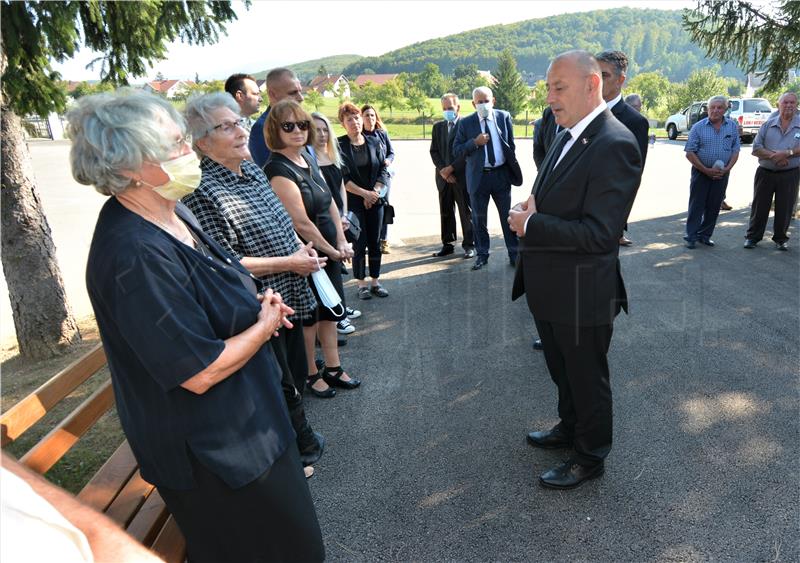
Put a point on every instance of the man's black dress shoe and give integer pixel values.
(750, 243)
(469, 253)
(537, 344)
(691, 244)
(570, 475)
(782, 245)
(480, 263)
(709, 242)
(550, 439)
(512, 262)
(313, 450)
(446, 250)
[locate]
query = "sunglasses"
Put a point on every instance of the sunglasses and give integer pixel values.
(289, 126)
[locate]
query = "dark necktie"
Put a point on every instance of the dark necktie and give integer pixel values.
(559, 148)
(489, 145)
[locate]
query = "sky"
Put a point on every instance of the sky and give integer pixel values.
(311, 29)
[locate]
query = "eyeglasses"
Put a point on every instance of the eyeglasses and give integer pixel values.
(185, 140)
(289, 126)
(228, 126)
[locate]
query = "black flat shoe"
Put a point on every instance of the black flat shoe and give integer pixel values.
(552, 439)
(328, 393)
(332, 377)
(480, 263)
(570, 475)
(750, 243)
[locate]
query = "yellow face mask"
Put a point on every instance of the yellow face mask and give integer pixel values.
(184, 177)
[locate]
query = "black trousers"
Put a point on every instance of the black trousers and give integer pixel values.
(781, 184)
(270, 519)
(368, 244)
(450, 196)
(576, 359)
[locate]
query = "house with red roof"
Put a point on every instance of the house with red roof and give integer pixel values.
(330, 86)
(168, 88)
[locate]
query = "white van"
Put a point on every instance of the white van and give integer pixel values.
(750, 114)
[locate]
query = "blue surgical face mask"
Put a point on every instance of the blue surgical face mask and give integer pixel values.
(449, 114)
(484, 109)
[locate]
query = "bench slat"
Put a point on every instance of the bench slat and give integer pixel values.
(129, 500)
(149, 520)
(32, 408)
(169, 544)
(106, 484)
(58, 441)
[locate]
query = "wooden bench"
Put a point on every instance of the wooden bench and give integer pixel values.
(116, 489)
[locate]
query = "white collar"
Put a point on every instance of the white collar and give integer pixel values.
(615, 101)
(576, 130)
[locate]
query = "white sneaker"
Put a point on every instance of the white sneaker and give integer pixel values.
(353, 313)
(344, 327)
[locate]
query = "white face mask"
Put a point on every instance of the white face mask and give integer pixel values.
(484, 109)
(184, 177)
(327, 293)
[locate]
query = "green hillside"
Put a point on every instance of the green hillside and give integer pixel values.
(653, 39)
(308, 69)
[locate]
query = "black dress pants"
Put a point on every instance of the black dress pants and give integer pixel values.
(270, 519)
(783, 185)
(576, 359)
(450, 197)
(368, 246)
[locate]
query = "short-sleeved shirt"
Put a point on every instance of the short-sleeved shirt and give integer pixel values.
(711, 144)
(771, 137)
(243, 214)
(164, 311)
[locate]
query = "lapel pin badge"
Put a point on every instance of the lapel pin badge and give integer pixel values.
(584, 140)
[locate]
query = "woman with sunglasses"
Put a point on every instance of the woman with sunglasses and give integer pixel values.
(298, 182)
(196, 386)
(373, 127)
(365, 179)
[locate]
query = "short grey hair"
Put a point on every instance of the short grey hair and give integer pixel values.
(720, 98)
(451, 96)
(787, 93)
(582, 59)
(633, 98)
(117, 132)
(482, 90)
(277, 74)
(198, 114)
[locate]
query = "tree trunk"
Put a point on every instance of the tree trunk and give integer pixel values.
(43, 319)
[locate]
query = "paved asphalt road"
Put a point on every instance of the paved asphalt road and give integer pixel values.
(427, 461)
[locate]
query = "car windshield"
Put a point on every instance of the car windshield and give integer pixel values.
(756, 105)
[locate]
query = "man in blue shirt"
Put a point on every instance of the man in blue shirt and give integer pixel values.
(713, 149)
(282, 83)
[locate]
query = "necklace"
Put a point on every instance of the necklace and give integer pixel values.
(182, 237)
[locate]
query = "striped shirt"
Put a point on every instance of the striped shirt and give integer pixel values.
(711, 145)
(246, 218)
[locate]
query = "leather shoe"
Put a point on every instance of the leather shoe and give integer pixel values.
(750, 243)
(537, 344)
(625, 241)
(724, 206)
(313, 450)
(552, 439)
(783, 245)
(691, 244)
(446, 250)
(480, 263)
(512, 261)
(570, 475)
(333, 377)
(709, 242)
(469, 253)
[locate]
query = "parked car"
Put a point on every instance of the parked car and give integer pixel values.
(680, 123)
(750, 114)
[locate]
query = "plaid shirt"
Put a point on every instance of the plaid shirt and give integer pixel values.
(711, 145)
(245, 217)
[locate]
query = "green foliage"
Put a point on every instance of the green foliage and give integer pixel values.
(365, 94)
(390, 95)
(510, 92)
(756, 37)
(313, 98)
(655, 91)
(130, 36)
(430, 81)
(86, 89)
(700, 86)
(653, 39)
(419, 102)
(772, 94)
(307, 70)
(538, 98)
(465, 79)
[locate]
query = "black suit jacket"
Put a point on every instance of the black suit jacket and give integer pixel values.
(377, 167)
(442, 149)
(568, 262)
(543, 134)
(636, 124)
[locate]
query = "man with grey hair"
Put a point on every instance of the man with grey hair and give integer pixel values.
(569, 266)
(450, 180)
(635, 101)
(777, 147)
(486, 140)
(713, 149)
(282, 83)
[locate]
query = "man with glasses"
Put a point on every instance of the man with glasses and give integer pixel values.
(244, 90)
(282, 83)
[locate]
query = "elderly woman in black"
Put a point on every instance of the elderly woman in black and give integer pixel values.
(298, 182)
(373, 127)
(365, 179)
(184, 329)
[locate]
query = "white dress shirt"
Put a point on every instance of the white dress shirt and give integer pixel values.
(614, 102)
(577, 130)
(499, 157)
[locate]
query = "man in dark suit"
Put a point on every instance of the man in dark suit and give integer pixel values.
(450, 180)
(569, 267)
(544, 131)
(486, 140)
(614, 66)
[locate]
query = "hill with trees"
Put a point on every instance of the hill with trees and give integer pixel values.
(307, 70)
(654, 40)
